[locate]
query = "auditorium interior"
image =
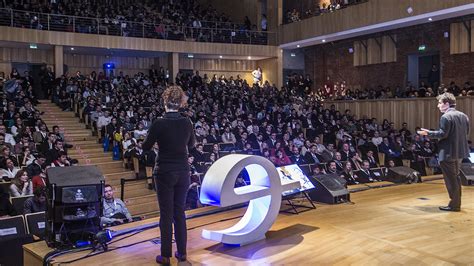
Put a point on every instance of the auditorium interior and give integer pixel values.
(327, 99)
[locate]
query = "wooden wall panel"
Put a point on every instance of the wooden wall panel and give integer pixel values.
(89, 63)
(360, 54)
(220, 67)
(269, 70)
(115, 42)
(459, 42)
(374, 53)
(420, 112)
(369, 13)
(24, 55)
(216, 64)
(389, 50)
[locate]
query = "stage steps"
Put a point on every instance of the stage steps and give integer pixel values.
(140, 200)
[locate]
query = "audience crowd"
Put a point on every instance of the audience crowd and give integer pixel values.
(232, 116)
(334, 91)
(163, 19)
(295, 15)
(287, 126)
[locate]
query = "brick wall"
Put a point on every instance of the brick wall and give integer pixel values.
(333, 60)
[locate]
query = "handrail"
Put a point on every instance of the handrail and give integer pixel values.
(118, 27)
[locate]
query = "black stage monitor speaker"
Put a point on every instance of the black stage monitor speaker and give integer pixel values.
(467, 174)
(74, 205)
(402, 174)
(329, 189)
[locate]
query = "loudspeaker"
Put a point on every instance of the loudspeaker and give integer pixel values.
(467, 174)
(74, 204)
(402, 174)
(329, 189)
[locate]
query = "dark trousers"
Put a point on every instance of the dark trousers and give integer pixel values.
(450, 169)
(172, 188)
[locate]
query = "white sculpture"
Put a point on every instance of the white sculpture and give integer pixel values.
(264, 195)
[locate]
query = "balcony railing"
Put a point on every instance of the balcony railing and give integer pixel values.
(114, 27)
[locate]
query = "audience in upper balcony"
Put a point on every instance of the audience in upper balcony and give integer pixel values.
(165, 19)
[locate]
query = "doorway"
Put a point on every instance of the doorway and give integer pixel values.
(424, 68)
(36, 72)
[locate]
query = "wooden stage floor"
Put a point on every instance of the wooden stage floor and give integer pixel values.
(392, 225)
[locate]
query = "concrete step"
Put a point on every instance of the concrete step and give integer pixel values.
(96, 155)
(141, 199)
(118, 175)
(80, 138)
(91, 150)
(88, 160)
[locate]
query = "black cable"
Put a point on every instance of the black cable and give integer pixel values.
(142, 241)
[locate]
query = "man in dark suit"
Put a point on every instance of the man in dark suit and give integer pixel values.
(453, 147)
(365, 175)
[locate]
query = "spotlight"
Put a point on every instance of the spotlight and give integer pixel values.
(430, 19)
(298, 46)
(324, 40)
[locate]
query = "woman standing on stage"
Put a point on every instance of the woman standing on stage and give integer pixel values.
(174, 134)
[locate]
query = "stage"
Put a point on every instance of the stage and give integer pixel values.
(399, 224)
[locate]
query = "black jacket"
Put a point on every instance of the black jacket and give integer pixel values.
(175, 136)
(452, 134)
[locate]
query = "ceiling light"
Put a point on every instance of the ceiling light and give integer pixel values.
(190, 56)
(292, 54)
(220, 56)
(249, 57)
(298, 46)
(430, 19)
(33, 46)
(324, 40)
(72, 48)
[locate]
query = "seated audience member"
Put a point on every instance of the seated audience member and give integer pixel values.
(371, 159)
(9, 170)
(114, 210)
(318, 170)
(332, 168)
(61, 160)
(3, 143)
(416, 160)
(35, 167)
(356, 161)
(137, 152)
(41, 135)
(296, 157)
(338, 161)
(365, 174)
(6, 207)
(280, 158)
(312, 156)
(21, 185)
(37, 203)
(348, 174)
(5, 153)
(40, 180)
(228, 137)
(46, 146)
(8, 137)
(25, 158)
(24, 143)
